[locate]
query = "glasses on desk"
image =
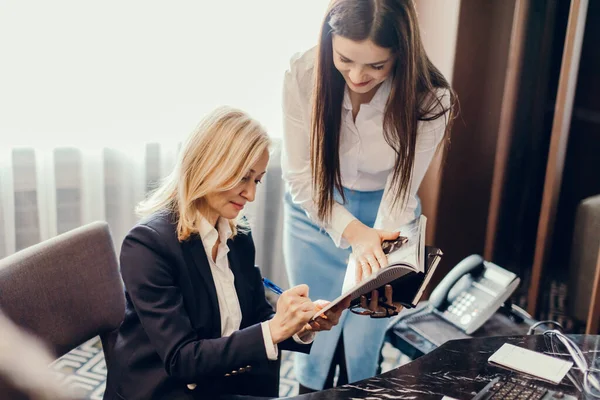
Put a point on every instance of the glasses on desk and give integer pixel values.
(385, 308)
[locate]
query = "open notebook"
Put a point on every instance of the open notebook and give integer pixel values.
(411, 266)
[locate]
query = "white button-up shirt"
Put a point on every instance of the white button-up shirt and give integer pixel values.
(366, 160)
(229, 305)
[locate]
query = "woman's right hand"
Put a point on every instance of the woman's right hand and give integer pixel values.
(294, 311)
(366, 247)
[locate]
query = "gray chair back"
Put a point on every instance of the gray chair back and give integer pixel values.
(584, 256)
(66, 290)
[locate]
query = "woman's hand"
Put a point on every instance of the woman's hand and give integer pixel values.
(378, 310)
(294, 310)
(329, 319)
(366, 247)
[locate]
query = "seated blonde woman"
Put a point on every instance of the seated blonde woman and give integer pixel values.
(197, 323)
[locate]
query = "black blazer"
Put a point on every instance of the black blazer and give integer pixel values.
(171, 334)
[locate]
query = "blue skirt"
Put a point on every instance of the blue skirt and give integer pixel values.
(312, 258)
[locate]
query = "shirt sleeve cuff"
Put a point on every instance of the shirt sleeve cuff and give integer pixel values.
(308, 338)
(270, 347)
(340, 219)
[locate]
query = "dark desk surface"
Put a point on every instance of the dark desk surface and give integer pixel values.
(420, 337)
(458, 368)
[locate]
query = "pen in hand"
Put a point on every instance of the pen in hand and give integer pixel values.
(278, 291)
(272, 287)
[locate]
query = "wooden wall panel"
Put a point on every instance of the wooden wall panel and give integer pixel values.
(482, 49)
(507, 119)
(558, 144)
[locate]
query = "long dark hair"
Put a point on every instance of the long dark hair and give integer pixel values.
(390, 24)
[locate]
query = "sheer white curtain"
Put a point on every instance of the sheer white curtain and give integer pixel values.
(96, 95)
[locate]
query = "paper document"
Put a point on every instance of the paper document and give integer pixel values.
(532, 363)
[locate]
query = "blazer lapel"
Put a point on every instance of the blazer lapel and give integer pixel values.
(196, 254)
(241, 285)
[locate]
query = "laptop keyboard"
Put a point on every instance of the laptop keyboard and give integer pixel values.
(516, 389)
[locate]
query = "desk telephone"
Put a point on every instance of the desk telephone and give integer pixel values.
(472, 292)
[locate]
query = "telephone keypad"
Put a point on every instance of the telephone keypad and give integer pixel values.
(464, 308)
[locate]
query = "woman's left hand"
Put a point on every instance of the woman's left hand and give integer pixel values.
(329, 319)
(366, 248)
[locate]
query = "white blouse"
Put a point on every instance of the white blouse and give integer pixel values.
(229, 304)
(366, 160)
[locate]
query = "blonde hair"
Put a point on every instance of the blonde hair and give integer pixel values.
(215, 157)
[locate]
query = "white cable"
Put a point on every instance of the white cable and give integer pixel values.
(590, 382)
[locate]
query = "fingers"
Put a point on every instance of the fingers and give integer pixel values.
(381, 258)
(302, 318)
(358, 271)
(370, 263)
(300, 290)
(321, 324)
(312, 326)
(294, 313)
(388, 294)
(398, 306)
(368, 254)
(373, 263)
(333, 317)
(296, 299)
(374, 303)
(387, 235)
(299, 307)
(307, 306)
(321, 304)
(344, 303)
(363, 302)
(365, 267)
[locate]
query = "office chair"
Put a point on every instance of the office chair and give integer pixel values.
(66, 290)
(584, 257)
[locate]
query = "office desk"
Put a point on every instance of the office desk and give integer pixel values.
(458, 368)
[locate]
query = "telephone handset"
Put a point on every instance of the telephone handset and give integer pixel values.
(472, 292)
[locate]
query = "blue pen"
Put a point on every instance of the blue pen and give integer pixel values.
(271, 286)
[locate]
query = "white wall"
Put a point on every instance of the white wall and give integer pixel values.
(76, 71)
(438, 20)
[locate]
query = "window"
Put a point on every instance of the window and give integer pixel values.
(113, 71)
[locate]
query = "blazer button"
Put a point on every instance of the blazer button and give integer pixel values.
(191, 386)
(248, 367)
(234, 372)
(242, 370)
(227, 374)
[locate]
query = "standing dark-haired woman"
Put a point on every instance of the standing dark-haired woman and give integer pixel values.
(365, 112)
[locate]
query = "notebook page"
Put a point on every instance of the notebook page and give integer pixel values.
(412, 252)
(531, 363)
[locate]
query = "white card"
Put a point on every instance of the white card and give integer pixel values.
(531, 363)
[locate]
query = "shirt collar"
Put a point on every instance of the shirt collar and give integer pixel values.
(378, 101)
(209, 233)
